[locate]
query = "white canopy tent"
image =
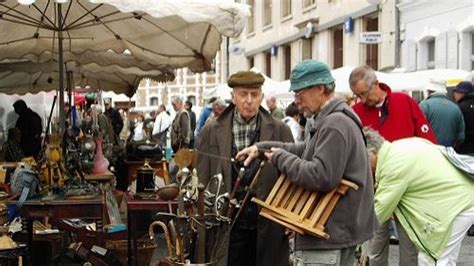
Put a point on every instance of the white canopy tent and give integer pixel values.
(166, 33)
(399, 81)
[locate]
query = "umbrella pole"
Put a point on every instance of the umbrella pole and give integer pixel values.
(61, 75)
(69, 87)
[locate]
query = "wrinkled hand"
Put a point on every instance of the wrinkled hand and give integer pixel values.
(269, 154)
(248, 154)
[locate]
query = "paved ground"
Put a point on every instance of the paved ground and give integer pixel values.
(466, 256)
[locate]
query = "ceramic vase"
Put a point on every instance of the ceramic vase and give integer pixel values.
(100, 162)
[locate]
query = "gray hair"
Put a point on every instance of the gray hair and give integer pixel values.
(363, 72)
(374, 139)
(176, 99)
(329, 88)
(219, 103)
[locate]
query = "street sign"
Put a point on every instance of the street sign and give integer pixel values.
(370, 37)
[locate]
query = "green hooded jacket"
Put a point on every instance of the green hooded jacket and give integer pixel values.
(424, 190)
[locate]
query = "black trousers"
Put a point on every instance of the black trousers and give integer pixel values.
(242, 247)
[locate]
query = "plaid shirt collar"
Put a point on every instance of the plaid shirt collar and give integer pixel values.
(243, 131)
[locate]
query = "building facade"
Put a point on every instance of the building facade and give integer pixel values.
(191, 86)
(280, 33)
(437, 34)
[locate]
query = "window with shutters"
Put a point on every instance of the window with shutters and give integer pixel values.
(285, 8)
(251, 18)
(431, 53)
(251, 62)
(268, 64)
(372, 55)
(153, 101)
(267, 12)
(338, 52)
(308, 3)
(307, 49)
(287, 64)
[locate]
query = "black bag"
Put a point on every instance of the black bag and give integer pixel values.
(138, 151)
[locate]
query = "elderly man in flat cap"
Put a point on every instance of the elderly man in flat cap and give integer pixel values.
(335, 150)
(253, 239)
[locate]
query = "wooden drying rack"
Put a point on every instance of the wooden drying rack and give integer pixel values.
(299, 209)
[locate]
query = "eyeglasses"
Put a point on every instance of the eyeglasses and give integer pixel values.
(300, 92)
(364, 94)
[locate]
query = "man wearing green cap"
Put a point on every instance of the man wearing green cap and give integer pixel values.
(253, 240)
(336, 150)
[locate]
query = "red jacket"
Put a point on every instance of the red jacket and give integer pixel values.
(399, 117)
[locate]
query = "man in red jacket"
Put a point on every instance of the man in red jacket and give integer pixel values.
(395, 116)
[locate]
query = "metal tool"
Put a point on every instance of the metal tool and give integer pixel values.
(210, 155)
(151, 232)
(233, 203)
(213, 190)
(200, 248)
(249, 190)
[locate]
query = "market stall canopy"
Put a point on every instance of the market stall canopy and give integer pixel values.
(175, 33)
(419, 80)
(25, 76)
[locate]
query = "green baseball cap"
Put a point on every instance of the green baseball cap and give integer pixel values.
(308, 73)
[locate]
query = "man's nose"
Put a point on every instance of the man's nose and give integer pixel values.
(249, 98)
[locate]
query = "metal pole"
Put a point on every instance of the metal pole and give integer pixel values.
(69, 87)
(61, 74)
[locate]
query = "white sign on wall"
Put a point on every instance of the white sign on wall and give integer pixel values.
(370, 37)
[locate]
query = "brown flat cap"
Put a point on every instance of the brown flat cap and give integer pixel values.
(247, 79)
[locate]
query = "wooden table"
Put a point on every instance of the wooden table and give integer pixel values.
(56, 210)
(136, 206)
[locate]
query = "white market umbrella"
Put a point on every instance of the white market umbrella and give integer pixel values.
(24, 76)
(174, 33)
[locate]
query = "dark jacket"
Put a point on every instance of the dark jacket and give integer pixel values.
(216, 138)
(335, 151)
(467, 108)
(29, 123)
(445, 119)
(116, 119)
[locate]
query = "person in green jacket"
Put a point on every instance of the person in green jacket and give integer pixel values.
(444, 116)
(432, 199)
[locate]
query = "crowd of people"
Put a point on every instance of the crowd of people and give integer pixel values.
(384, 141)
